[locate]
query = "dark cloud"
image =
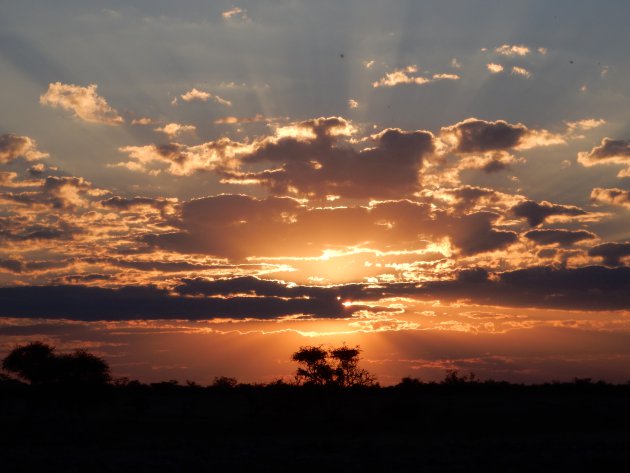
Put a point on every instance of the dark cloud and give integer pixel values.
(536, 213)
(612, 253)
(586, 288)
(149, 302)
(608, 152)
(474, 136)
(474, 233)
(558, 237)
(134, 203)
(19, 266)
(611, 196)
(16, 146)
(238, 226)
(316, 161)
(56, 192)
(478, 136)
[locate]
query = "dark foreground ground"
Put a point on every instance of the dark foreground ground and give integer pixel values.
(484, 427)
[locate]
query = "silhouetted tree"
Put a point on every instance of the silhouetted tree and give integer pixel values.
(335, 366)
(37, 363)
(34, 362)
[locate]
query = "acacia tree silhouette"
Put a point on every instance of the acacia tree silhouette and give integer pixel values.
(37, 363)
(331, 367)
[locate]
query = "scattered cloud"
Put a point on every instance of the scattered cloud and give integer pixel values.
(559, 237)
(608, 152)
(236, 13)
(176, 129)
(512, 50)
(353, 104)
(612, 253)
(84, 102)
(201, 96)
(494, 67)
(16, 146)
(536, 213)
(521, 71)
(613, 196)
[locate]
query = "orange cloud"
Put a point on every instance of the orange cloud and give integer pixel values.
(608, 152)
(83, 101)
(16, 146)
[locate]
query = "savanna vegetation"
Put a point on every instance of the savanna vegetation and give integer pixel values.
(65, 412)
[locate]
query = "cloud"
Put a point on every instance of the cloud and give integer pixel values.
(201, 96)
(77, 302)
(512, 50)
(16, 146)
(182, 160)
(56, 192)
(401, 76)
(494, 67)
(521, 71)
(407, 75)
(176, 129)
(612, 253)
(587, 288)
(479, 136)
(611, 196)
(312, 158)
(558, 237)
(536, 213)
(236, 13)
(142, 121)
(585, 124)
(136, 203)
(353, 104)
(231, 120)
(83, 101)
(608, 152)
(239, 227)
(19, 266)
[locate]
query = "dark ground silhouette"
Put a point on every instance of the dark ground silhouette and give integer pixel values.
(459, 424)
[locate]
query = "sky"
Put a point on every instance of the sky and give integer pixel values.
(196, 189)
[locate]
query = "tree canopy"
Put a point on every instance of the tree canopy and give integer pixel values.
(331, 367)
(37, 363)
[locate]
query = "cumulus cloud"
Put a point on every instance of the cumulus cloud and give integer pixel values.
(536, 213)
(176, 129)
(586, 288)
(84, 102)
(150, 302)
(494, 67)
(142, 121)
(611, 253)
(479, 136)
(559, 237)
(182, 160)
(353, 104)
(612, 196)
(312, 158)
(521, 71)
(16, 146)
(407, 75)
(201, 96)
(585, 124)
(608, 152)
(56, 192)
(238, 227)
(512, 50)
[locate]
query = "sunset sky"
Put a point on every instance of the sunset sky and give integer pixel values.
(194, 189)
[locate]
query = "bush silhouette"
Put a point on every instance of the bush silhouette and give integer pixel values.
(37, 363)
(331, 367)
